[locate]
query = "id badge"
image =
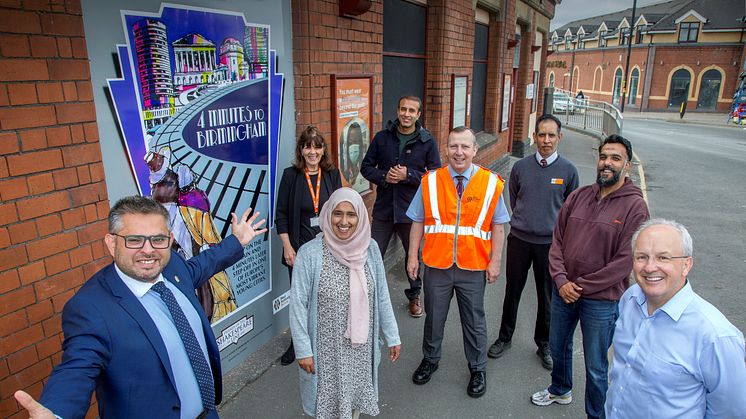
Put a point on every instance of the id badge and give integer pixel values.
(314, 221)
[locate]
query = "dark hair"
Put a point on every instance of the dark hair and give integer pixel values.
(311, 135)
(357, 126)
(548, 117)
(618, 139)
(412, 98)
(135, 205)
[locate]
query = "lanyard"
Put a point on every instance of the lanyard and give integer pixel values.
(314, 196)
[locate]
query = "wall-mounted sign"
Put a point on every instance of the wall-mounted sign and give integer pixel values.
(458, 100)
(352, 104)
(199, 106)
(507, 99)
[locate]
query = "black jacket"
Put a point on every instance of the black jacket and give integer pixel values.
(292, 185)
(420, 154)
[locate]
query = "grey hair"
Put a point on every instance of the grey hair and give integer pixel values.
(687, 245)
(135, 204)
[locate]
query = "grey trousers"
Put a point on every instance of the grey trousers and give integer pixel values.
(439, 286)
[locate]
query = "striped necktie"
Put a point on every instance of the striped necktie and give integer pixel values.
(460, 185)
(196, 357)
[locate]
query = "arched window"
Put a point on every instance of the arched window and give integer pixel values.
(551, 79)
(597, 75)
(634, 81)
(617, 92)
(709, 89)
(679, 89)
(575, 80)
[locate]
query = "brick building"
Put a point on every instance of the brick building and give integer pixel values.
(689, 50)
(61, 157)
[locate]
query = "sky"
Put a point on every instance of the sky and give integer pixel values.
(570, 10)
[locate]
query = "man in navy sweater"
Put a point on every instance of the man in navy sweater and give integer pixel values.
(538, 186)
(395, 162)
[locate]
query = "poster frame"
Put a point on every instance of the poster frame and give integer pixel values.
(455, 76)
(334, 143)
(505, 106)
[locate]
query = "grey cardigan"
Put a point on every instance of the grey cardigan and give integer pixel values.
(304, 313)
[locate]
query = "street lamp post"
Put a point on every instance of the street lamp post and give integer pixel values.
(629, 53)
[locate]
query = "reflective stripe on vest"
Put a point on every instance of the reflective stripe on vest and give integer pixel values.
(464, 232)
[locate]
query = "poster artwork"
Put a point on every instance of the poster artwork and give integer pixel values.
(199, 106)
(353, 125)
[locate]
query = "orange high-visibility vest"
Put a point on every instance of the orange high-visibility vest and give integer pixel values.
(456, 229)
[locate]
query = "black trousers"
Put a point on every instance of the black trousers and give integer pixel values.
(382, 232)
(520, 256)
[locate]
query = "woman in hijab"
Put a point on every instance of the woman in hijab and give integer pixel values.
(339, 304)
(304, 188)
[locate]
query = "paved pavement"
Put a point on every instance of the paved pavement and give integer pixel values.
(261, 387)
(699, 118)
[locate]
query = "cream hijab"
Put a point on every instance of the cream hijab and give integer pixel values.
(353, 253)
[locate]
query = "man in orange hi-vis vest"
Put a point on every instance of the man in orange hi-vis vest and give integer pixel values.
(459, 210)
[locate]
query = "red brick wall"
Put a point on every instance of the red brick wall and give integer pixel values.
(525, 77)
(325, 43)
(53, 196)
(697, 58)
(322, 39)
(450, 50)
(499, 63)
(450, 47)
(671, 57)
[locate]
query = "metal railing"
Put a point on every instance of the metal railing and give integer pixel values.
(588, 115)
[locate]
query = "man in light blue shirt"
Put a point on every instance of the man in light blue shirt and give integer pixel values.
(460, 255)
(675, 354)
(416, 210)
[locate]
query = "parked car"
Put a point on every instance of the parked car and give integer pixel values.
(562, 103)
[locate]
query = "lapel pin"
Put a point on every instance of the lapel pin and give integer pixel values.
(176, 278)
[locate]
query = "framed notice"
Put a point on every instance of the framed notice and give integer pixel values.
(504, 115)
(458, 100)
(535, 99)
(352, 104)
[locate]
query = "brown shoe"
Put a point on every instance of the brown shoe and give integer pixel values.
(415, 310)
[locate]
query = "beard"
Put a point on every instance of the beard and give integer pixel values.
(603, 182)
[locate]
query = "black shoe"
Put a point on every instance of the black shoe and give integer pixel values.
(423, 373)
(289, 356)
(546, 356)
(498, 348)
(477, 384)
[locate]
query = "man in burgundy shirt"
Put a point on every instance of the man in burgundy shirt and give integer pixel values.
(590, 262)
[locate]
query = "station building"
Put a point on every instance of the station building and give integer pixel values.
(681, 50)
(65, 155)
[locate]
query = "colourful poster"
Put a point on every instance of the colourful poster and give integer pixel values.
(352, 114)
(199, 106)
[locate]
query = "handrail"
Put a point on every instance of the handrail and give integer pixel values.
(589, 115)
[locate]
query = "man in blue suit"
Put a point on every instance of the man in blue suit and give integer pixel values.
(124, 336)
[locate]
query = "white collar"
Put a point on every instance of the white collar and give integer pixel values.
(138, 288)
(549, 159)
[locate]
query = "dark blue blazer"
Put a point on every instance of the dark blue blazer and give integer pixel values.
(112, 345)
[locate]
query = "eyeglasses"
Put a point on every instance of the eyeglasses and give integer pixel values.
(138, 242)
(662, 259)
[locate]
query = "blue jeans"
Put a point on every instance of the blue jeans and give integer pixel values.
(597, 319)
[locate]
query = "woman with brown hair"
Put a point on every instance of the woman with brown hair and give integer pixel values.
(304, 188)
